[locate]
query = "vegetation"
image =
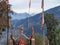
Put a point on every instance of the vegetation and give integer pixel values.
(4, 10)
(51, 23)
(38, 39)
(57, 36)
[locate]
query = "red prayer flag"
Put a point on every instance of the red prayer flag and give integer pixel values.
(42, 24)
(7, 1)
(42, 5)
(29, 12)
(21, 42)
(29, 3)
(10, 26)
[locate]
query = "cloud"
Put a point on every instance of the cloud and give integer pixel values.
(22, 5)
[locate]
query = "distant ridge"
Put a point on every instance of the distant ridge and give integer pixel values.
(35, 21)
(19, 16)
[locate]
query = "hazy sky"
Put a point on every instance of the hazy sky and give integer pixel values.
(21, 6)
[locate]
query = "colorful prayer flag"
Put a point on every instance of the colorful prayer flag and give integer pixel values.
(42, 23)
(7, 1)
(42, 5)
(33, 31)
(29, 4)
(10, 26)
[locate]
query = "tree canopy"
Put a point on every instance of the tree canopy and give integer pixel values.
(51, 24)
(4, 12)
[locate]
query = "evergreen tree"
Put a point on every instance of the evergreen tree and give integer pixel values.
(51, 23)
(4, 10)
(57, 36)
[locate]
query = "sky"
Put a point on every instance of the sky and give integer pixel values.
(21, 6)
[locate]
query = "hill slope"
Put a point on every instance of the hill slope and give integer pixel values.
(19, 16)
(36, 21)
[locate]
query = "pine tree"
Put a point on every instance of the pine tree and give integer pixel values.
(4, 10)
(51, 23)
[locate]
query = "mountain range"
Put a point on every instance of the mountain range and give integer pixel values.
(22, 19)
(35, 21)
(19, 16)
